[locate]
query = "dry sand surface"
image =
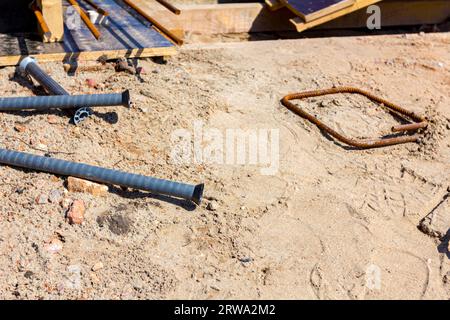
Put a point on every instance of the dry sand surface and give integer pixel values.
(327, 223)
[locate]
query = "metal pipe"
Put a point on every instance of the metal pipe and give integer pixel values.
(41, 21)
(155, 23)
(97, 8)
(86, 19)
(30, 66)
(103, 175)
(65, 102)
(169, 6)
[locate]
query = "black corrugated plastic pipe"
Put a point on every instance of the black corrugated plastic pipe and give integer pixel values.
(65, 102)
(109, 176)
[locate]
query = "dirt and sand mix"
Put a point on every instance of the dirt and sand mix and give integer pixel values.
(315, 226)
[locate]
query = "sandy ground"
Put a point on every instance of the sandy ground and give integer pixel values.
(331, 222)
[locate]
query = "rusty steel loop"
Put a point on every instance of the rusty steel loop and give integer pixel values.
(419, 121)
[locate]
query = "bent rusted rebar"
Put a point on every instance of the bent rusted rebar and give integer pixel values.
(420, 122)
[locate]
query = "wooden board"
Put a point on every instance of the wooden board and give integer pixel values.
(310, 10)
(257, 17)
(53, 15)
(125, 36)
(301, 25)
(397, 13)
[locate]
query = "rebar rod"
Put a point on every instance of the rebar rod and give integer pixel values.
(155, 23)
(65, 102)
(97, 8)
(40, 19)
(169, 7)
(103, 175)
(85, 19)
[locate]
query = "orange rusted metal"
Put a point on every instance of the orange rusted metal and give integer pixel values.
(155, 23)
(40, 18)
(169, 6)
(421, 122)
(85, 18)
(97, 8)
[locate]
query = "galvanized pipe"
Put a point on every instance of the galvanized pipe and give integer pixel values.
(30, 66)
(65, 102)
(98, 174)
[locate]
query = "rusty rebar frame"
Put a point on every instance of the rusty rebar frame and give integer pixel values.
(420, 122)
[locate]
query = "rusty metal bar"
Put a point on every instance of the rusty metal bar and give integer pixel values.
(85, 18)
(359, 143)
(155, 23)
(409, 127)
(40, 18)
(169, 6)
(97, 8)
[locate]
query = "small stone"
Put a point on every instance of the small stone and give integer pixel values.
(80, 185)
(54, 246)
(67, 67)
(141, 70)
(97, 266)
(20, 128)
(52, 119)
(143, 109)
(212, 206)
(75, 213)
(28, 274)
(55, 196)
(94, 278)
(41, 199)
(91, 83)
(246, 260)
(66, 202)
(42, 146)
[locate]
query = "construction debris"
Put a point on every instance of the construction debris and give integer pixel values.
(75, 213)
(437, 222)
(80, 185)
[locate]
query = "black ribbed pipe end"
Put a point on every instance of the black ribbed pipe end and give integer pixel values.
(126, 98)
(198, 193)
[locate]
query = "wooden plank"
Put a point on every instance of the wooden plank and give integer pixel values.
(53, 15)
(221, 18)
(274, 5)
(301, 25)
(256, 17)
(310, 10)
(123, 36)
(397, 13)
